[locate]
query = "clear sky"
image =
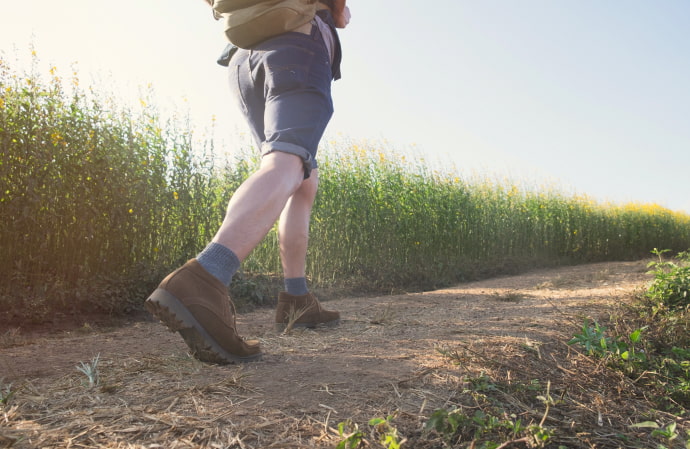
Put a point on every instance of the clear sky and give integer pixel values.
(591, 96)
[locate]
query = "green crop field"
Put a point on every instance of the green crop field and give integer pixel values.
(99, 200)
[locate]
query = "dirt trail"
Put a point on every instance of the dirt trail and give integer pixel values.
(384, 358)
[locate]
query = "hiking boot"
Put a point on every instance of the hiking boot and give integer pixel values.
(193, 302)
(303, 311)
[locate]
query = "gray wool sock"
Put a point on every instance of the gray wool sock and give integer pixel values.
(220, 261)
(296, 286)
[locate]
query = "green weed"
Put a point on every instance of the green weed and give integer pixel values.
(594, 340)
(484, 430)
(490, 430)
(90, 370)
(387, 433)
(666, 434)
(382, 430)
(7, 392)
(351, 436)
(671, 286)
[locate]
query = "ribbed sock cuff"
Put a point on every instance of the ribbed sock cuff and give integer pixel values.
(220, 261)
(296, 286)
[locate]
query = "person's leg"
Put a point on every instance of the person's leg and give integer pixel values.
(283, 87)
(293, 229)
(251, 212)
(195, 301)
(297, 304)
(257, 204)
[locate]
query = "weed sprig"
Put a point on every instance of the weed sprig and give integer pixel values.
(90, 370)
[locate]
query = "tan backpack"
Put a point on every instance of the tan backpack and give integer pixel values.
(248, 22)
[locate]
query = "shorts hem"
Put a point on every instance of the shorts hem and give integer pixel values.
(291, 148)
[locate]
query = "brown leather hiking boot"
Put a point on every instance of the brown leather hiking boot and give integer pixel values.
(192, 301)
(303, 311)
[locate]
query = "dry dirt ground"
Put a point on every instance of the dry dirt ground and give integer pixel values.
(405, 355)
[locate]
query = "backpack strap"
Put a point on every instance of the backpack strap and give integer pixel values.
(329, 3)
(327, 17)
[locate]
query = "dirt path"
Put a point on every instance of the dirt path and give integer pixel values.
(386, 357)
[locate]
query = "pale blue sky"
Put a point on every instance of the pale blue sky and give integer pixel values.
(592, 96)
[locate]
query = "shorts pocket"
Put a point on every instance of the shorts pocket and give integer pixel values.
(236, 82)
(287, 68)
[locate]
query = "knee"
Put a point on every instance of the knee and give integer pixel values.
(286, 169)
(309, 186)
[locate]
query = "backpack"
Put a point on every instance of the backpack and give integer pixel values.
(248, 22)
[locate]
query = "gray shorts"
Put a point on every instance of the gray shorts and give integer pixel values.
(283, 86)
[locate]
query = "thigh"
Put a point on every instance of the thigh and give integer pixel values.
(247, 87)
(283, 87)
(298, 103)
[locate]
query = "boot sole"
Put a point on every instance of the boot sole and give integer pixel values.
(280, 327)
(176, 317)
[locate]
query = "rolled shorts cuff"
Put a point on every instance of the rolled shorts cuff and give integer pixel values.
(291, 148)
